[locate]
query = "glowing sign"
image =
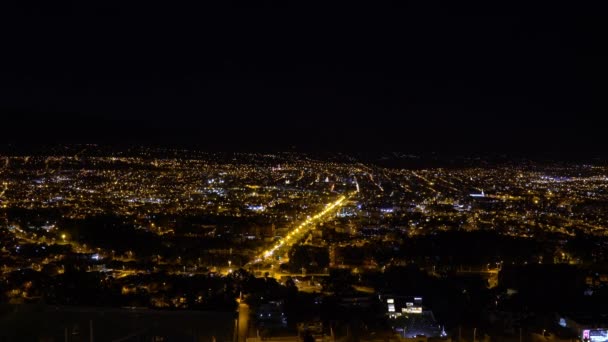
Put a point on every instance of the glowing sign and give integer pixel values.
(412, 310)
(595, 335)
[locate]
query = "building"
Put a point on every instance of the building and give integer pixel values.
(271, 314)
(410, 319)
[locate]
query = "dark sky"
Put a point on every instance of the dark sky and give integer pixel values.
(399, 75)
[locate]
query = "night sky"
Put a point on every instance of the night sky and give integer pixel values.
(406, 76)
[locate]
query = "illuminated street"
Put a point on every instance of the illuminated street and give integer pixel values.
(243, 322)
(296, 234)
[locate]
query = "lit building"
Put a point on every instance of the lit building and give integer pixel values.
(410, 319)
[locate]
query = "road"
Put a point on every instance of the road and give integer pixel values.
(243, 325)
(296, 234)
